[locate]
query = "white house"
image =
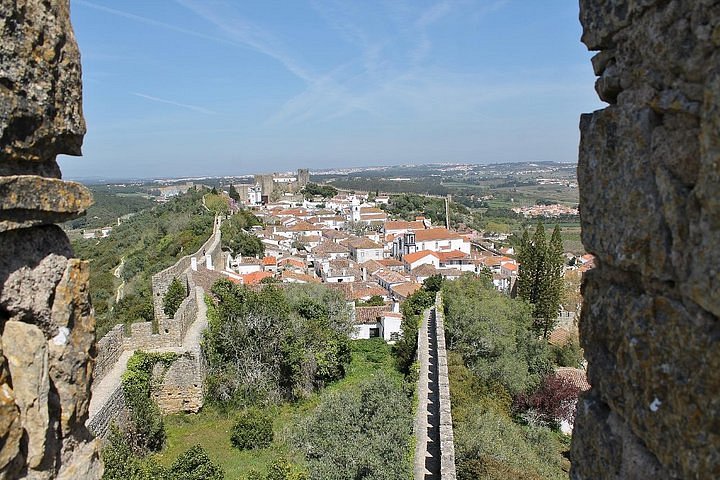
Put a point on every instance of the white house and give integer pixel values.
(424, 257)
(363, 249)
(440, 240)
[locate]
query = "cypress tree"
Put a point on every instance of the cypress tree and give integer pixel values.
(540, 277)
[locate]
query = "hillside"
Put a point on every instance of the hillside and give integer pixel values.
(122, 264)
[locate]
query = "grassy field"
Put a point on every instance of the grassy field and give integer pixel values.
(211, 428)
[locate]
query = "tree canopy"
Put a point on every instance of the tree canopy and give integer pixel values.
(274, 344)
(313, 189)
(237, 239)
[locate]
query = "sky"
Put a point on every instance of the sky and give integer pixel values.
(175, 88)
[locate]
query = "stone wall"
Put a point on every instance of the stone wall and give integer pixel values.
(161, 280)
(109, 349)
(46, 320)
(181, 388)
(114, 410)
(447, 438)
(649, 177)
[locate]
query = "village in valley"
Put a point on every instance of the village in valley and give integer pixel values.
(346, 240)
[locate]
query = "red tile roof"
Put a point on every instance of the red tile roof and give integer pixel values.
(414, 257)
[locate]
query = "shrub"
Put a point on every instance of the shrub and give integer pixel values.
(194, 464)
(174, 296)
(568, 355)
(552, 402)
(252, 430)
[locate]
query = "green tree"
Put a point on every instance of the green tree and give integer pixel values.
(216, 203)
(245, 244)
(362, 433)
(540, 277)
(233, 193)
(174, 296)
(313, 189)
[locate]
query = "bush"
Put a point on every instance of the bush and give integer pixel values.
(568, 355)
(146, 431)
(195, 464)
(174, 296)
(552, 402)
(252, 430)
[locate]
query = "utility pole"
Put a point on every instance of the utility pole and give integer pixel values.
(448, 199)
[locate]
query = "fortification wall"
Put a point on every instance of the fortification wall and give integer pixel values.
(46, 320)
(114, 410)
(109, 349)
(649, 177)
(161, 280)
(181, 389)
(447, 438)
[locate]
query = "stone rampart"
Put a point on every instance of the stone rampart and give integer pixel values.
(114, 410)
(447, 438)
(161, 280)
(181, 388)
(109, 349)
(649, 177)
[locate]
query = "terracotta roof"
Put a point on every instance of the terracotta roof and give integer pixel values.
(390, 262)
(576, 376)
(372, 266)
(435, 234)
(450, 272)
(452, 255)
(414, 257)
(406, 289)
(370, 314)
(362, 243)
(330, 247)
(560, 336)
(293, 262)
(424, 270)
(389, 276)
(303, 227)
(403, 225)
(269, 261)
(300, 277)
(255, 277)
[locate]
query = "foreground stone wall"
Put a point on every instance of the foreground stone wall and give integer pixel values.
(649, 176)
(46, 320)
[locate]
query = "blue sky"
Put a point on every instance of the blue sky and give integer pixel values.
(229, 87)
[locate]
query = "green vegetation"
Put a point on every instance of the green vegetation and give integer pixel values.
(145, 432)
(121, 463)
(313, 189)
(373, 301)
(217, 203)
(496, 360)
(174, 296)
(361, 433)
(135, 250)
(235, 237)
(540, 278)
(253, 429)
(111, 203)
(412, 310)
(304, 331)
(213, 427)
(494, 335)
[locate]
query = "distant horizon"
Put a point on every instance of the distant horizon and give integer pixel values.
(318, 171)
(197, 88)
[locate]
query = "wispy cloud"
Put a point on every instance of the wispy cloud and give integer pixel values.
(174, 103)
(148, 21)
(240, 31)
